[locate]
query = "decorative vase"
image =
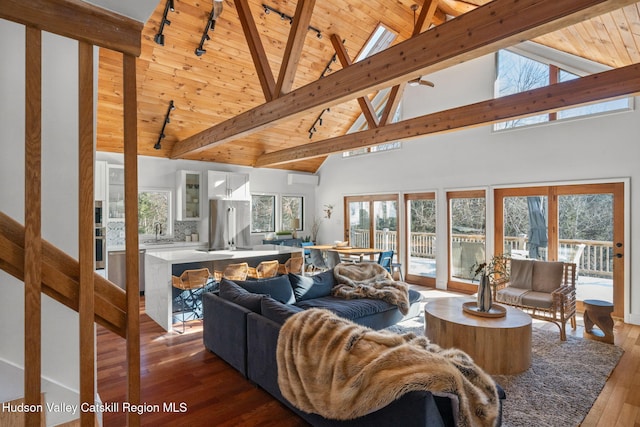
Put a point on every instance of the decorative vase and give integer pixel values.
(484, 294)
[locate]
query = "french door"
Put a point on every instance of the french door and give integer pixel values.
(371, 221)
(583, 224)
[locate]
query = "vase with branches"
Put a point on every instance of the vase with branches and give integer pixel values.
(491, 273)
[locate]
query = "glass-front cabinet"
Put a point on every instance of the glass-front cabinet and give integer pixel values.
(188, 201)
(115, 192)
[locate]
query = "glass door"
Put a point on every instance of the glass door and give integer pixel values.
(584, 225)
(372, 222)
(420, 211)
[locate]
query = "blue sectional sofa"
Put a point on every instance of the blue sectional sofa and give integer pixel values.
(243, 320)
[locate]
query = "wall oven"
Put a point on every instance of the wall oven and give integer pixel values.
(100, 237)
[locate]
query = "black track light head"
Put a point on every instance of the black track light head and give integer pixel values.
(157, 145)
(159, 38)
(200, 51)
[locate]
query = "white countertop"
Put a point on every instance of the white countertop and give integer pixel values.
(180, 256)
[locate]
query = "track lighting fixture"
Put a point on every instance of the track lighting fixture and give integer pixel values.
(167, 119)
(216, 11)
(159, 38)
(318, 122)
(268, 9)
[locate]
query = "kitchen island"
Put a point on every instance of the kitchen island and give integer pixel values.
(159, 266)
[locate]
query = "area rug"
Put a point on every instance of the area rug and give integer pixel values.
(559, 388)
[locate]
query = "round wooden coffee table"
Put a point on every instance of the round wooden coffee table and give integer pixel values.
(499, 345)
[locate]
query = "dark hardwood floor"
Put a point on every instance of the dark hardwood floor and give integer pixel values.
(177, 368)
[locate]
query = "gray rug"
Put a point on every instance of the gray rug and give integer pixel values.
(559, 388)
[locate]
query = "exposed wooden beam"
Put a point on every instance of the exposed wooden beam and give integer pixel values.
(424, 19)
(496, 25)
(86, 230)
(365, 104)
(33, 226)
(131, 235)
(265, 75)
(609, 84)
(77, 20)
(295, 43)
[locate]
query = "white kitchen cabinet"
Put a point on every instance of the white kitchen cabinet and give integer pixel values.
(228, 185)
(189, 196)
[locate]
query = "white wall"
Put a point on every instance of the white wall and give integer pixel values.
(160, 173)
(60, 348)
(601, 148)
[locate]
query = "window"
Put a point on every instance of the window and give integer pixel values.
(263, 213)
(154, 213)
(518, 73)
(380, 39)
(292, 213)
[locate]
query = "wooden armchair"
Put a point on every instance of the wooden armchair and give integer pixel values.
(545, 290)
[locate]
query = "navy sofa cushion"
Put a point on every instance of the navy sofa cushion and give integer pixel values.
(236, 294)
(353, 308)
(309, 287)
(277, 311)
(279, 288)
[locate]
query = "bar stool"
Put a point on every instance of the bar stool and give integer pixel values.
(264, 270)
(190, 282)
(233, 272)
(396, 267)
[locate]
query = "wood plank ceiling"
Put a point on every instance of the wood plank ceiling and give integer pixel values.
(223, 82)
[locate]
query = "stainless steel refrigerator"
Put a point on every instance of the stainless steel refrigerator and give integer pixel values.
(229, 224)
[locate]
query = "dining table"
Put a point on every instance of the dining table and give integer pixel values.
(360, 253)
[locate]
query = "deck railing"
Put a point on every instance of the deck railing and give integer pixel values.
(596, 260)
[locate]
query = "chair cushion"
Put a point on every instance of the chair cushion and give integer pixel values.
(521, 273)
(309, 287)
(547, 276)
(238, 295)
(511, 295)
(537, 299)
(279, 288)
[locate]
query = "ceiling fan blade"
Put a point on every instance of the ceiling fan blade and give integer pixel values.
(426, 83)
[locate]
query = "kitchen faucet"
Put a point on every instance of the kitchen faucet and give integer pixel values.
(158, 229)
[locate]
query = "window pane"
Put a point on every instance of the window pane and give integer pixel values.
(467, 235)
(525, 227)
(585, 110)
(359, 224)
(386, 225)
(292, 213)
(263, 218)
(422, 237)
(154, 213)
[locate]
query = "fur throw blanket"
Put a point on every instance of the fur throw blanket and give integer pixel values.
(340, 370)
(369, 280)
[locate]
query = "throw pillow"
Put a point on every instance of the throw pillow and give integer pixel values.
(309, 287)
(547, 276)
(279, 288)
(277, 311)
(521, 273)
(234, 293)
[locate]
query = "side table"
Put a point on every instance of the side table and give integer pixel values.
(598, 313)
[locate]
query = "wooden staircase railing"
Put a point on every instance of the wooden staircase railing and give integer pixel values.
(60, 273)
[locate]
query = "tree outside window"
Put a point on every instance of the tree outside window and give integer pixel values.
(292, 213)
(263, 213)
(154, 213)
